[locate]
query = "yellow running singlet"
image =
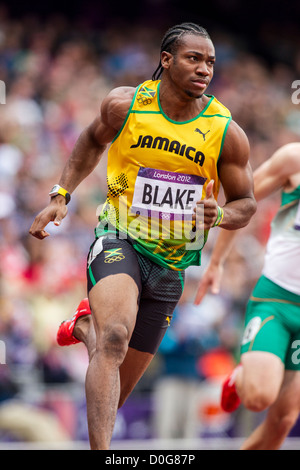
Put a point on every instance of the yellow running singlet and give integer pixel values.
(157, 170)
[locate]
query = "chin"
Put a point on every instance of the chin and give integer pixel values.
(194, 95)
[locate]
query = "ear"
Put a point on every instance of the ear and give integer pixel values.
(166, 58)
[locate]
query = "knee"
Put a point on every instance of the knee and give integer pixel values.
(113, 342)
(257, 399)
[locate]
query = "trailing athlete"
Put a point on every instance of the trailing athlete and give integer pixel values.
(268, 376)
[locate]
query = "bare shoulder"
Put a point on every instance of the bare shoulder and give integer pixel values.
(236, 148)
(115, 106)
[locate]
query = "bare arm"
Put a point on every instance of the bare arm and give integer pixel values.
(86, 155)
(237, 180)
(278, 171)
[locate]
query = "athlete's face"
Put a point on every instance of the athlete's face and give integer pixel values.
(191, 67)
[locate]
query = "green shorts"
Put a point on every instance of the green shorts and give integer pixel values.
(272, 323)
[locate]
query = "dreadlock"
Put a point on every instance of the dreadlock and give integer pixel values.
(172, 39)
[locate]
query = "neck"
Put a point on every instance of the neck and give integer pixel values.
(178, 105)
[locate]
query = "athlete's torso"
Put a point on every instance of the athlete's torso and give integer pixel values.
(157, 170)
(282, 260)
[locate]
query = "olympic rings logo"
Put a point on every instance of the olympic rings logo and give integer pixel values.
(112, 259)
(142, 100)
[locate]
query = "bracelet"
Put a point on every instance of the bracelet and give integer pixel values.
(219, 218)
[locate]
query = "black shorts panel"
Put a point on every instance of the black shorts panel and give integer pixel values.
(160, 288)
(109, 256)
(153, 319)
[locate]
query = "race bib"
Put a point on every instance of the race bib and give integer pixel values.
(165, 194)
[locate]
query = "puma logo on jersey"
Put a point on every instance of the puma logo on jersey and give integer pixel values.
(202, 133)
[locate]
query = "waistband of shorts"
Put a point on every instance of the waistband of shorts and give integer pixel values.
(266, 289)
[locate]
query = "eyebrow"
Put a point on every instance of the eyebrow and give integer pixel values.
(200, 54)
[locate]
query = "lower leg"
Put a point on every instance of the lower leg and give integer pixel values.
(102, 397)
(133, 366)
(270, 434)
(131, 370)
(280, 419)
(84, 331)
(113, 302)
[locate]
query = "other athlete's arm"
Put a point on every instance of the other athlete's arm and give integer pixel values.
(278, 171)
(275, 173)
(86, 155)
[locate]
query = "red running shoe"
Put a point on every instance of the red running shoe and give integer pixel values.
(230, 400)
(65, 331)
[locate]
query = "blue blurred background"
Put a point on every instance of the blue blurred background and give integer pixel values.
(57, 64)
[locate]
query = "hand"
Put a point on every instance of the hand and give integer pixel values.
(207, 209)
(54, 212)
(211, 279)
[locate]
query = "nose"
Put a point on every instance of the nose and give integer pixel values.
(202, 69)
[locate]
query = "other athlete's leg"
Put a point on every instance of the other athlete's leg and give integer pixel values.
(280, 419)
(255, 382)
(259, 379)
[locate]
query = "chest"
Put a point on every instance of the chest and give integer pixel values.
(154, 141)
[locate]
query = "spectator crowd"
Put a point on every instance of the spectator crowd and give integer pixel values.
(56, 74)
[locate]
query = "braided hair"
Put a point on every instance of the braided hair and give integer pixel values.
(172, 39)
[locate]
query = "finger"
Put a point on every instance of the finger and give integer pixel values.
(208, 194)
(44, 234)
(210, 216)
(201, 292)
(37, 229)
(59, 216)
(199, 296)
(215, 288)
(40, 234)
(209, 189)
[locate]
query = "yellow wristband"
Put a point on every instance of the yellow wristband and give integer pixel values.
(219, 218)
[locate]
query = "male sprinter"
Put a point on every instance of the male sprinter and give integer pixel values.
(171, 146)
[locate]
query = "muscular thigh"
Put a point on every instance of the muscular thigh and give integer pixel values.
(126, 286)
(114, 283)
(113, 302)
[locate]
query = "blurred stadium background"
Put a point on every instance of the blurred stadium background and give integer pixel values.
(57, 64)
